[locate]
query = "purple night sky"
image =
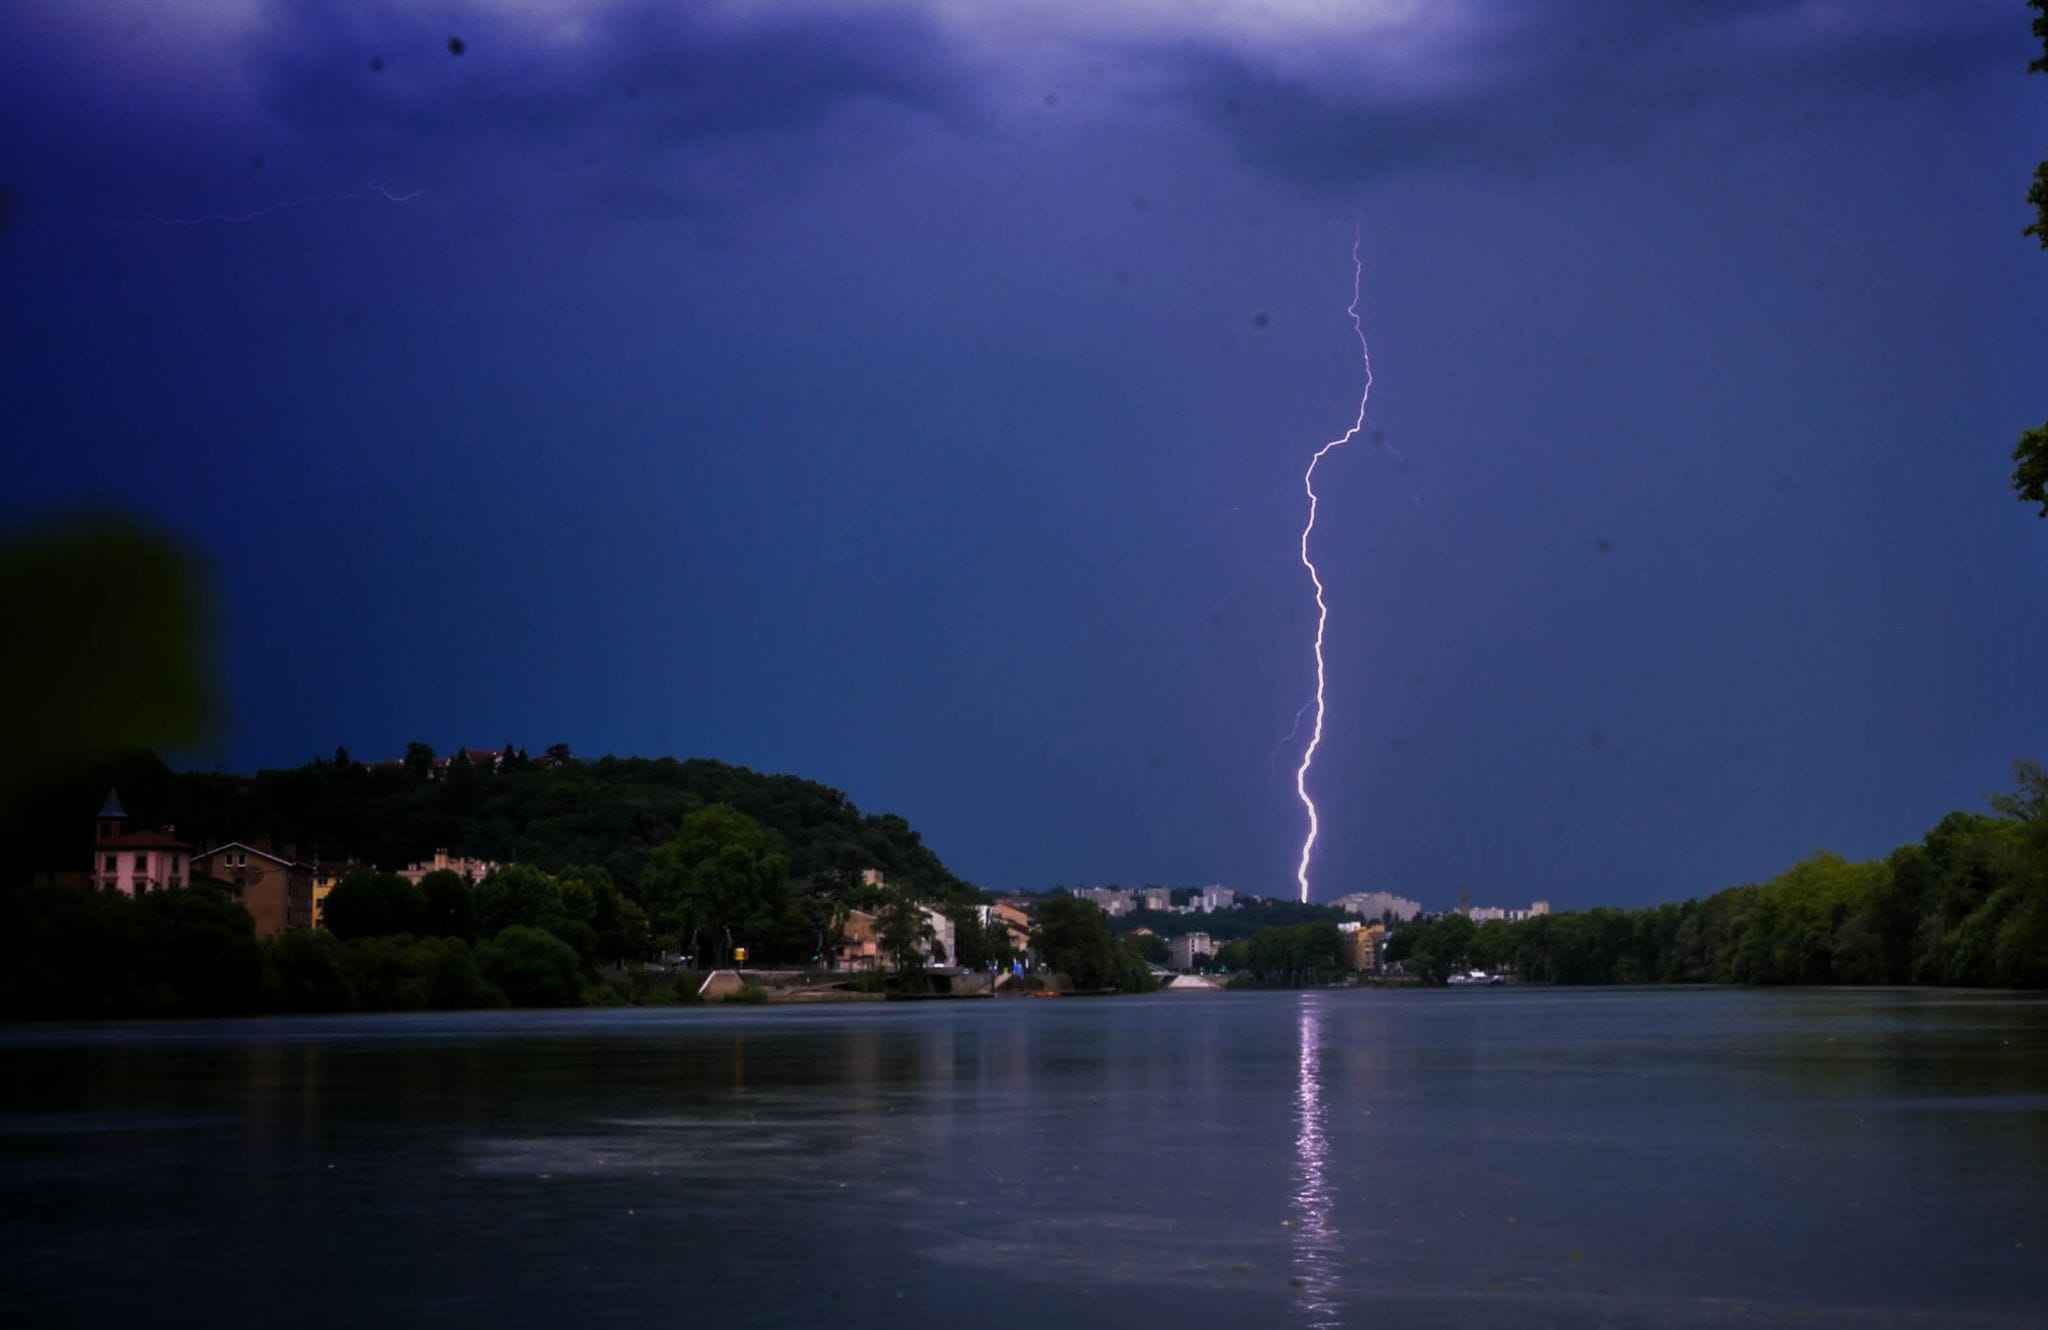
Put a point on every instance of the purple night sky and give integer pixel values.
(914, 396)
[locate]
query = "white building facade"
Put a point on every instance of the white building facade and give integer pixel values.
(1376, 904)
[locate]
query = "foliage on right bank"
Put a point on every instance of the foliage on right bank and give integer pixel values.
(1966, 906)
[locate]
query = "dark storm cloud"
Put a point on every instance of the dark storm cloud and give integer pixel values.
(1514, 84)
(639, 108)
(663, 74)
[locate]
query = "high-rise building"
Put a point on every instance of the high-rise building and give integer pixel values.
(1109, 900)
(1375, 904)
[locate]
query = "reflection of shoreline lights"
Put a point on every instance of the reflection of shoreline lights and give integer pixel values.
(1308, 483)
(1315, 1240)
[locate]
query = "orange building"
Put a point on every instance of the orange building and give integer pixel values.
(859, 947)
(276, 891)
(1016, 921)
(1362, 946)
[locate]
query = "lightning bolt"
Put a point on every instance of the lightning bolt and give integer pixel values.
(1308, 485)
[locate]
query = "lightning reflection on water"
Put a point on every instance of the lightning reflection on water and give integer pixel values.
(1315, 1238)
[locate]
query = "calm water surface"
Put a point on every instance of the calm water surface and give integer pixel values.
(1492, 1157)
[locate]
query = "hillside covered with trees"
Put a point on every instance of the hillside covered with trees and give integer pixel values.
(603, 865)
(553, 812)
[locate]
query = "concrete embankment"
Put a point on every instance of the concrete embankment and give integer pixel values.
(828, 986)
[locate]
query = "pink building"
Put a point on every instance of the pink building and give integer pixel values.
(136, 863)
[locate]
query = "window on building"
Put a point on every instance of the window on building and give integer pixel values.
(141, 861)
(111, 868)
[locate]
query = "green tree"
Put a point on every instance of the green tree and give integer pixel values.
(454, 980)
(307, 971)
(2038, 194)
(722, 882)
(581, 937)
(2028, 804)
(373, 905)
(970, 938)
(390, 973)
(2030, 458)
(620, 927)
(1073, 938)
(2030, 465)
(1153, 948)
(1434, 948)
(447, 905)
(2019, 952)
(1132, 974)
(514, 896)
(1493, 945)
(207, 960)
(463, 789)
(579, 888)
(904, 932)
(1305, 953)
(623, 933)
(65, 952)
(419, 759)
(532, 968)
(817, 922)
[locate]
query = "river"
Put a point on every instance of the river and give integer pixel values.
(1512, 1157)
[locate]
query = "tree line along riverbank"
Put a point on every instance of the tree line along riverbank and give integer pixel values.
(1964, 906)
(619, 862)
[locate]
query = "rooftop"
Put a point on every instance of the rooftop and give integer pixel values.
(142, 840)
